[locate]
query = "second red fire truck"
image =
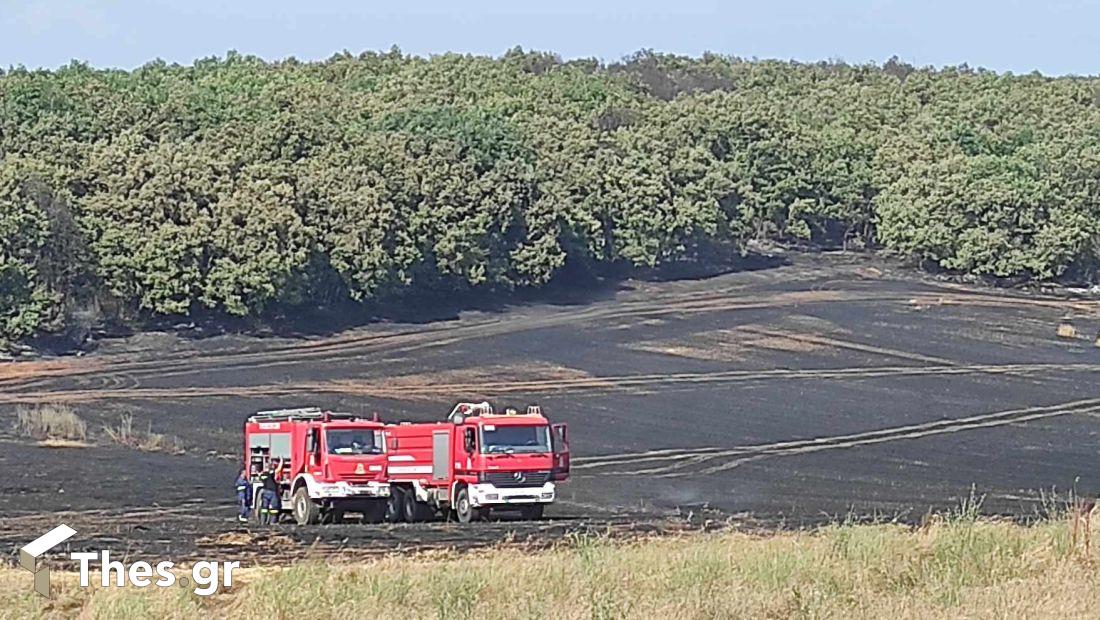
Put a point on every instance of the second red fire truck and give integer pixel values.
(475, 462)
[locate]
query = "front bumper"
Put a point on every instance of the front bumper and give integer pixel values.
(485, 494)
(344, 489)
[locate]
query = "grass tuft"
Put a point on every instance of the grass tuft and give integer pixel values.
(146, 440)
(50, 422)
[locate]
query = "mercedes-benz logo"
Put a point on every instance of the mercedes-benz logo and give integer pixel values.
(518, 476)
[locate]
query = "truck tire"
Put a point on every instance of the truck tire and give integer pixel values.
(465, 510)
(411, 510)
(532, 512)
(394, 511)
(306, 511)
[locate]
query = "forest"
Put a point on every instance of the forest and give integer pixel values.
(241, 187)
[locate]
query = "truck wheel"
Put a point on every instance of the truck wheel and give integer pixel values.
(394, 511)
(412, 512)
(306, 511)
(532, 513)
(465, 510)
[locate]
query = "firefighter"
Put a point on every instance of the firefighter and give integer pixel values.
(244, 496)
(269, 496)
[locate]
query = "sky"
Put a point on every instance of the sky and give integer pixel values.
(1055, 37)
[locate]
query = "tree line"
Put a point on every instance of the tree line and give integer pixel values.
(239, 186)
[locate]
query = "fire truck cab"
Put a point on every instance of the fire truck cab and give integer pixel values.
(325, 463)
(475, 462)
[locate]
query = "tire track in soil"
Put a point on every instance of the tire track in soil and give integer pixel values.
(672, 463)
(356, 345)
(407, 342)
(597, 384)
(826, 341)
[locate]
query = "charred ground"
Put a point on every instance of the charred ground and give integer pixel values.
(822, 386)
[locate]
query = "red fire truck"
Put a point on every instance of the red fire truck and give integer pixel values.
(326, 463)
(475, 462)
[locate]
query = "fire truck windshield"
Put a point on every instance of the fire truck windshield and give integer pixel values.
(353, 441)
(511, 439)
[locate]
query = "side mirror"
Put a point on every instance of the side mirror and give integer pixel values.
(313, 442)
(471, 443)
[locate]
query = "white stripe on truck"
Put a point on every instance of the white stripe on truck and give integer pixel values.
(410, 469)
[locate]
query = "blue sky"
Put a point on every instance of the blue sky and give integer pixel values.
(1054, 36)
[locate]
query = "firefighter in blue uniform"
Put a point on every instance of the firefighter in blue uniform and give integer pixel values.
(269, 496)
(244, 496)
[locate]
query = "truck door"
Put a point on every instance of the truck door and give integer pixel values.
(313, 449)
(559, 442)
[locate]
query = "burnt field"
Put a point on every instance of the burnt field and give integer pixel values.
(821, 387)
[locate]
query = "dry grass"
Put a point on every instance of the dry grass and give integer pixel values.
(958, 567)
(145, 440)
(50, 422)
